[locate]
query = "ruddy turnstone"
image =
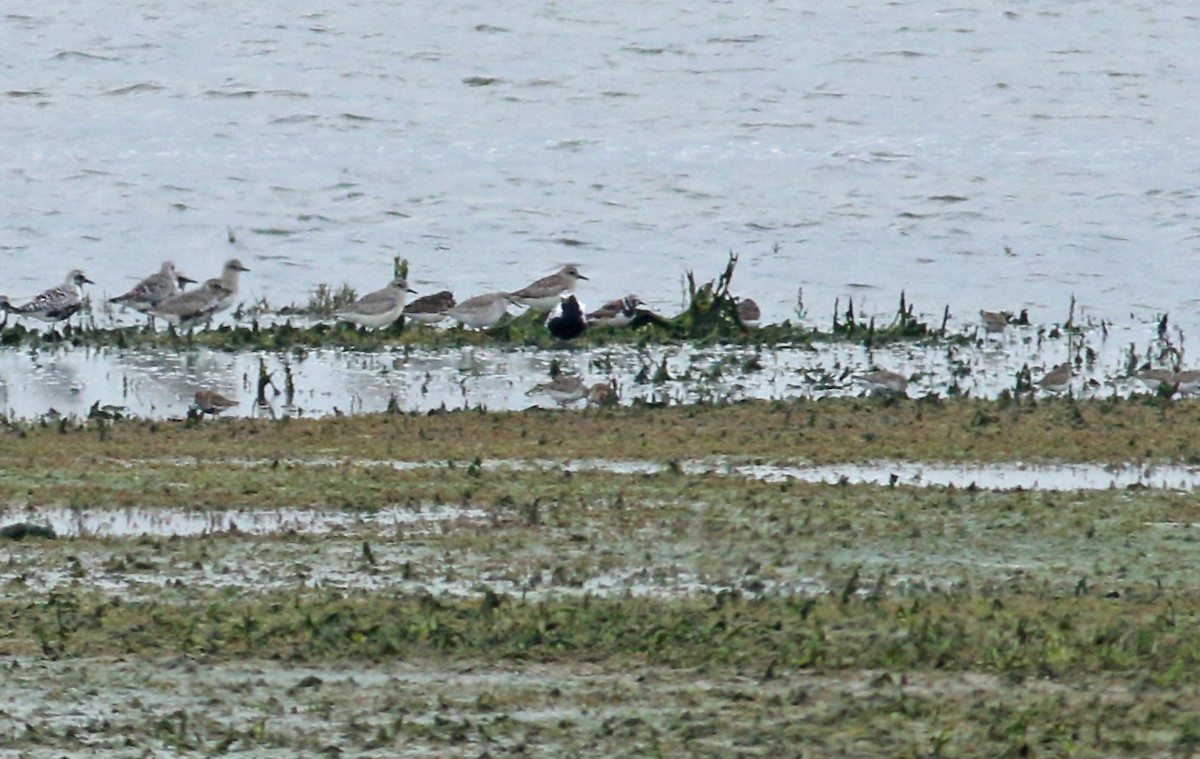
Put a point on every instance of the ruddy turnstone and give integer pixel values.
(615, 313)
(564, 389)
(545, 294)
(481, 311)
(1057, 379)
(430, 309)
(193, 307)
(55, 304)
(883, 381)
(154, 289)
(380, 308)
(209, 402)
(566, 321)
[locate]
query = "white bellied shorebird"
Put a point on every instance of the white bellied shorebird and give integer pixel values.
(1057, 379)
(55, 304)
(883, 381)
(564, 389)
(188, 309)
(615, 313)
(165, 283)
(230, 276)
(430, 309)
(380, 308)
(481, 311)
(212, 403)
(544, 294)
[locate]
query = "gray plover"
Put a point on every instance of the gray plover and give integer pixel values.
(154, 289)
(188, 309)
(544, 294)
(380, 308)
(55, 304)
(481, 311)
(212, 403)
(883, 381)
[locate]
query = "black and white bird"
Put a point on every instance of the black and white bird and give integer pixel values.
(615, 313)
(55, 304)
(566, 321)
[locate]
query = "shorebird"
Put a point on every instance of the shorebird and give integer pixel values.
(209, 402)
(228, 281)
(882, 381)
(1188, 381)
(481, 311)
(615, 313)
(748, 312)
(544, 294)
(566, 321)
(380, 308)
(1057, 379)
(994, 322)
(601, 394)
(55, 304)
(152, 290)
(564, 389)
(193, 307)
(430, 309)
(1155, 378)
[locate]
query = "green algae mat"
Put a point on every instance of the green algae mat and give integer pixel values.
(444, 585)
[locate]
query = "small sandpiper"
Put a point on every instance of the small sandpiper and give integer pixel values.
(228, 282)
(615, 313)
(188, 309)
(883, 381)
(1057, 379)
(748, 312)
(380, 308)
(566, 321)
(1153, 379)
(430, 309)
(544, 294)
(55, 304)
(564, 389)
(1188, 381)
(480, 312)
(212, 403)
(994, 322)
(602, 394)
(154, 289)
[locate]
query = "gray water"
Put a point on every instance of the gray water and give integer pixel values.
(1005, 156)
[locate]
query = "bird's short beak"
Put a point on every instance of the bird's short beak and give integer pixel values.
(184, 280)
(582, 277)
(88, 281)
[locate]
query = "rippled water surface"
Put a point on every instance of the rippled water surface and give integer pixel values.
(1003, 156)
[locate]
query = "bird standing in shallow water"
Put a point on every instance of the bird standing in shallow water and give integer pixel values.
(188, 309)
(380, 308)
(566, 321)
(1057, 379)
(544, 294)
(883, 381)
(564, 389)
(152, 290)
(212, 403)
(55, 304)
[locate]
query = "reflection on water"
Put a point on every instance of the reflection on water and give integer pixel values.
(160, 383)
